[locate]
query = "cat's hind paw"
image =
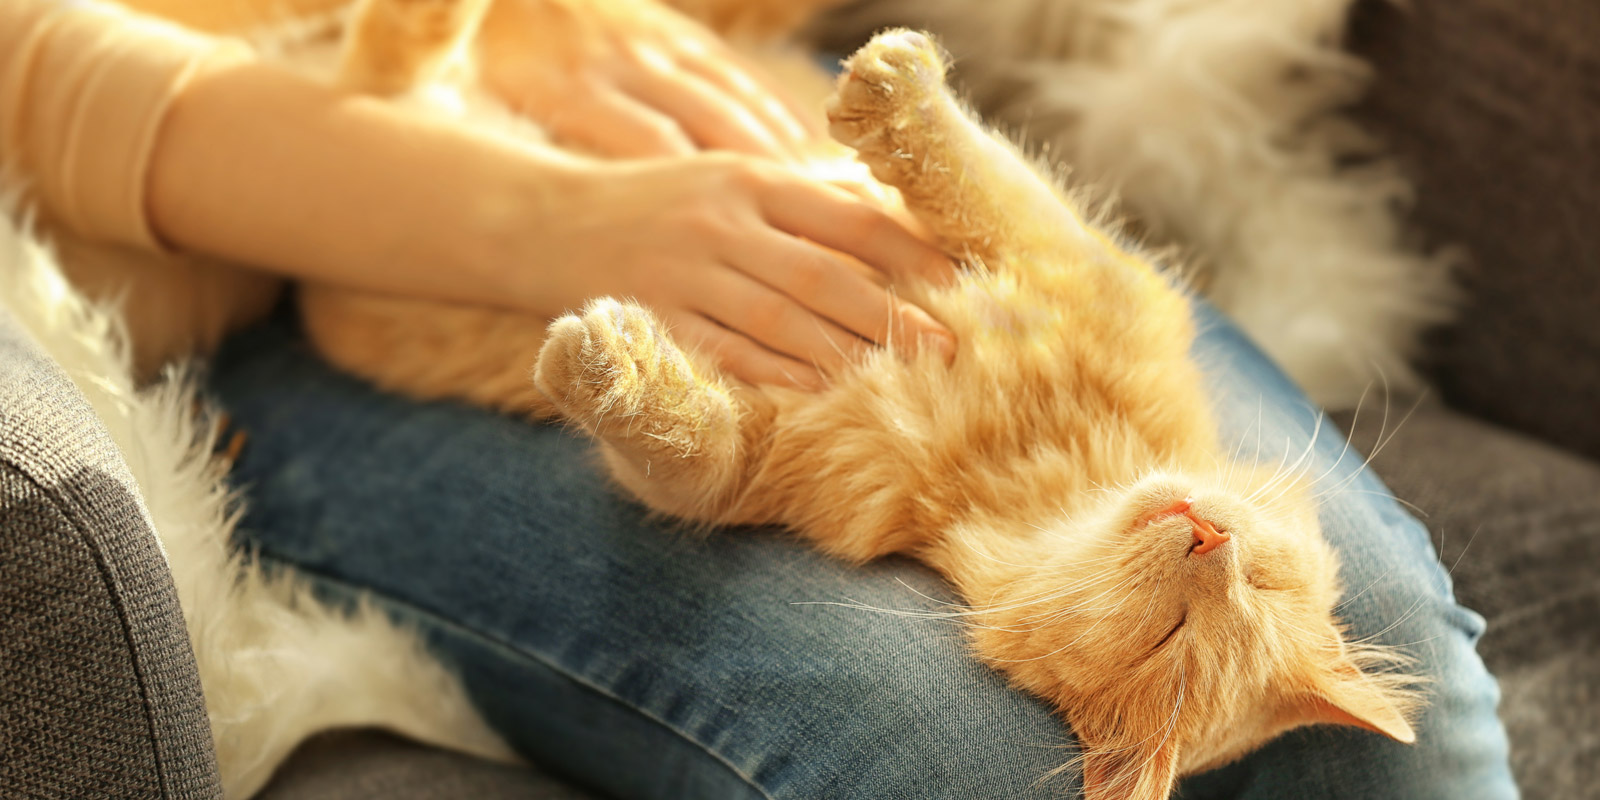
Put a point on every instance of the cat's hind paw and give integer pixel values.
(885, 86)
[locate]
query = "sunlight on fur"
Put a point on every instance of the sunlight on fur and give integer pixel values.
(1176, 604)
(1222, 126)
(1064, 474)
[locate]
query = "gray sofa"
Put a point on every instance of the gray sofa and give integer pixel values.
(98, 693)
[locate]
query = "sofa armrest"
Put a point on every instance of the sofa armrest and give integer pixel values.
(99, 695)
(1493, 108)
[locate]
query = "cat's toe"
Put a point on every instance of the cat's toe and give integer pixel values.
(559, 372)
(614, 371)
(895, 74)
(589, 361)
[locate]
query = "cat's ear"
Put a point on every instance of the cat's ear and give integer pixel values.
(1343, 695)
(1143, 771)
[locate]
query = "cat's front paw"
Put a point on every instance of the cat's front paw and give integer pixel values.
(885, 85)
(614, 370)
(603, 360)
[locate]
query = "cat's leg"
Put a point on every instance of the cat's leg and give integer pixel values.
(674, 433)
(973, 189)
(753, 19)
(392, 46)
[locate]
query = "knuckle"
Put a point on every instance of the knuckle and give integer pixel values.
(871, 224)
(662, 133)
(768, 315)
(809, 276)
(748, 175)
(706, 222)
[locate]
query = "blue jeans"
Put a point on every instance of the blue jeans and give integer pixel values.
(647, 663)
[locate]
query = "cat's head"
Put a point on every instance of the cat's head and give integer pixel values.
(1185, 621)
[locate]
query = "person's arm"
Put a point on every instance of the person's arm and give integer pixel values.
(136, 131)
(260, 165)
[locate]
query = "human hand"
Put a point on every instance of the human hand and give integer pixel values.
(631, 79)
(780, 279)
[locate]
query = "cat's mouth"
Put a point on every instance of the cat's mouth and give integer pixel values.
(1207, 537)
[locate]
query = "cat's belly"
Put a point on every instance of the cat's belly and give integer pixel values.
(1048, 397)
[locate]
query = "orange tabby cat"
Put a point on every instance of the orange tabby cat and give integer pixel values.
(1063, 472)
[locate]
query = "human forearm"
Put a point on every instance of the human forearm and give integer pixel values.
(257, 164)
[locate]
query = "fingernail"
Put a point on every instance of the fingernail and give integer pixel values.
(808, 380)
(933, 333)
(946, 342)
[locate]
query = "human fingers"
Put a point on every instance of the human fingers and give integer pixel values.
(611, 123)
(837, 219)
(778, 322)
(772, 104)
(810, 117)
(741, 357)
(713, 118)
(827, 285)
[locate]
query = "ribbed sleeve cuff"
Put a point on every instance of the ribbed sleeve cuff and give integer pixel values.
(83, 101)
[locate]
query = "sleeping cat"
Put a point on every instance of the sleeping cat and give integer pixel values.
(1063, 472)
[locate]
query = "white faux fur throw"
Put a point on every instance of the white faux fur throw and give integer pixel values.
(1215, 123)
(275, 666)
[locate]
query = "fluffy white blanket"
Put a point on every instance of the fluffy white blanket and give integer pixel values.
(275, 665)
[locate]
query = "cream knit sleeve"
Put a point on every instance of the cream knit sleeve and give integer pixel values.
(83, 89)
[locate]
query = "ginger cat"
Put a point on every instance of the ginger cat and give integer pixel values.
(1064, 472)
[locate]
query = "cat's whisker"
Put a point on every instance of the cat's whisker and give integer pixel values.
(956, 612)
(1354, 419)
(1049, 615)
(1048, 595)
(1364, 589)
(1382, 443)
(1150, 607)
(1245, 437)
(1131, 576)
(955, 617)
(1069, 645)
(1410, 612)
(1292, 469)
(1283, 469)
(990, 557)
(924, 595)
(1463, 553)
(1410, 506)
(1411, 644)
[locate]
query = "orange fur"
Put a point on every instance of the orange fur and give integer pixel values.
(755, 18)
(394, 45)
(1028, 471)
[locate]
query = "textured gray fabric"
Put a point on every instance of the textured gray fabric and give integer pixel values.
(1493, 106)
(368, 764)
(1519, 523)
(99, 696)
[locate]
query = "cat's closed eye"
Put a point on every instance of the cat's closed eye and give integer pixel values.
(1172, 633)
(1257, 580)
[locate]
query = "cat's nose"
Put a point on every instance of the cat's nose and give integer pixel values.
(1206, 536)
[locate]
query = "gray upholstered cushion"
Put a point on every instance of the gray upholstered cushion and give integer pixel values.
(1494, 108)
(1519, 523)
(369, 764)
(99, 696)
